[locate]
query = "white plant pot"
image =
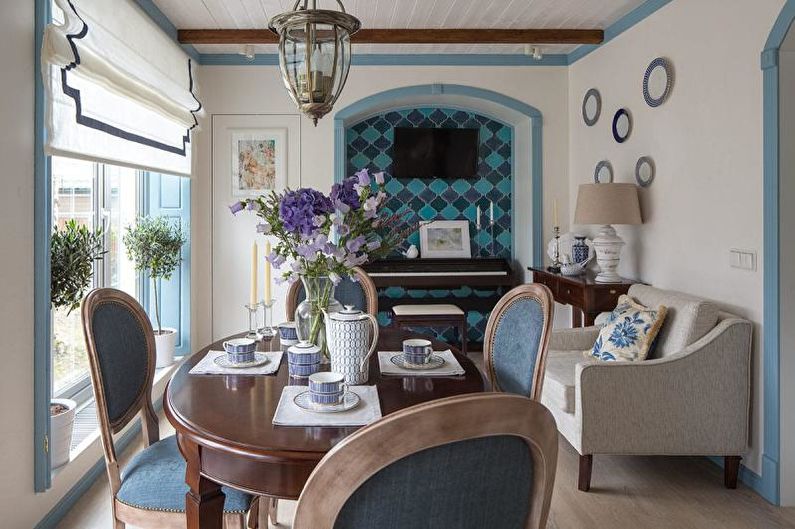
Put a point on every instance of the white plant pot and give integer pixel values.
(61, 432)
(165, 344)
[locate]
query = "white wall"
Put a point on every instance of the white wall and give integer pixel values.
(786, 258)
(707, 145)
(259, 90)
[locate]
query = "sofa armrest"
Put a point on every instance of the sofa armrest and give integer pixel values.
(693, 402)
(573, 339)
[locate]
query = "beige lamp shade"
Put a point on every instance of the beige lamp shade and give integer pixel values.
(607, 204)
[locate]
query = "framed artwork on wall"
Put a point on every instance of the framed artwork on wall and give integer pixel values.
(445, 238)
(259, 161)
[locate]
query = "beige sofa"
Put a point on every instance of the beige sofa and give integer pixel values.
(692, 397)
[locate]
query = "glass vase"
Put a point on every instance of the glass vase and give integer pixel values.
(309, 321)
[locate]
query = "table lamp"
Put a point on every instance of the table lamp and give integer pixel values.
(607, 204)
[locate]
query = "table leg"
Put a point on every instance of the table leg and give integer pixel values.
(576, 317)
(204, 502)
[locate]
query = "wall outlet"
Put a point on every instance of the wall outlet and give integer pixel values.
(742, 259)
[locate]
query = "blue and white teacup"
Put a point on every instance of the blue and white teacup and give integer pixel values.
(304, 353)
(288, 335)
(417, 351)
(240, 350)
(327, 387)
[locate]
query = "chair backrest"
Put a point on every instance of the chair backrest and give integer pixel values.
(360, 293)
(688, 317)
(472, 461)
(121, 353)
(517, 335)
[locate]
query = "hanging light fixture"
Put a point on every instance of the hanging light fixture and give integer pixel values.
(314, 54)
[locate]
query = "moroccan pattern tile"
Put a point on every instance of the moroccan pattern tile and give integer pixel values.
(369, 145)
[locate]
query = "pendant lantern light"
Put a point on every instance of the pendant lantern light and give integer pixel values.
(314, 54)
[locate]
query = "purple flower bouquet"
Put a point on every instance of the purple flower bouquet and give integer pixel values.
(322, 238)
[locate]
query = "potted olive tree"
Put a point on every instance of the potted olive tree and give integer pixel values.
(73, 251)
(155, 244)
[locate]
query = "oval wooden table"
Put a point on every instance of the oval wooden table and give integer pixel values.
(225, 431)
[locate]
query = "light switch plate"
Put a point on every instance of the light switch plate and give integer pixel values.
(742, 259)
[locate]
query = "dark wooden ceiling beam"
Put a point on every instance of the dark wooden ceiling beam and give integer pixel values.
(409, 36)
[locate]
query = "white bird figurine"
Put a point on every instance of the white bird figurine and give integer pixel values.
(412, 252)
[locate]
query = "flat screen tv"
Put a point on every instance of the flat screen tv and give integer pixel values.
(435, 153)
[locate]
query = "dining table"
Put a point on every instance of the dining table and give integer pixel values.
(225, 431)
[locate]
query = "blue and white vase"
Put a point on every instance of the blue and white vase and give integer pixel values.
(579, 250)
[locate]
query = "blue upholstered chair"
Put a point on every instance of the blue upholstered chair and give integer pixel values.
(361, 293)
(517, 336)
(466, 462)
(149, 492)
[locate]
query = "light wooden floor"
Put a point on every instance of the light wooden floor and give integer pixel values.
(627, 493)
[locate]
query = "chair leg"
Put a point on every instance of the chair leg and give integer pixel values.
(463, 335)
(586, 466)
(253, 513)
(273, 511)
(731, 469)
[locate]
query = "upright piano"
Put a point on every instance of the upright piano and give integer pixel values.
(489, 277)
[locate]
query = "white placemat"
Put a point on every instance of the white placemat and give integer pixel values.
(289, 414)
(451, 366)
(207, 365)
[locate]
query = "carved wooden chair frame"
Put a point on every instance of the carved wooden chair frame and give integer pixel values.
(361, 455)
(123, 513)
(541, 294)
(364, 279)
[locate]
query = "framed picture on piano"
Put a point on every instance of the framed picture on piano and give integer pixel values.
(445, 238)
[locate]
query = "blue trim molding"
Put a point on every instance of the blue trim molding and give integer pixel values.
(771, 454)
(41, 266)
(629, 20)
(384, 100)
(157, 16)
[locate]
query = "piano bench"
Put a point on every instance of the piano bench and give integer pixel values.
(439, 315)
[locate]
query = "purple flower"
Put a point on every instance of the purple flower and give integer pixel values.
(253, 205)
(374, 245)
(298, 210)
(379, 178)
(236, 208)
(275, 259)
(344, 193)
(263, 227)
(364, 177)
(343, 230)
(335, 278)
(354, 245)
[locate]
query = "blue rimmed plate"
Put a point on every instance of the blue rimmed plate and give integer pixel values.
(349, 401)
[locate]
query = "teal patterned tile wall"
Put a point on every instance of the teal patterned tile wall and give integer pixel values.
(369, 144)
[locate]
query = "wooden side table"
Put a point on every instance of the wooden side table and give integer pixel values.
(587, 297)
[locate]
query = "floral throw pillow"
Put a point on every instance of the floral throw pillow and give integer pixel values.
(629, 332)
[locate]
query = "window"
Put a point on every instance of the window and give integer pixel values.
(95, 195)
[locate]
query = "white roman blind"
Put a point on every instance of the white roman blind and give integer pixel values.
(118, 89)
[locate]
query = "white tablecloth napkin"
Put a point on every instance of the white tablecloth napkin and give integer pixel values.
(451, 366)
(207, 365)
(289, 414)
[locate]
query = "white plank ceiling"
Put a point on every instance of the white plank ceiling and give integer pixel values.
(506, 14)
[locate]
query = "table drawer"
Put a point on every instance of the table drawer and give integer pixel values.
(550, 281)
(606, 298)
(571, 294)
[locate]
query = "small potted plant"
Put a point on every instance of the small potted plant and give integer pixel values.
(155, 245)
(73, 251)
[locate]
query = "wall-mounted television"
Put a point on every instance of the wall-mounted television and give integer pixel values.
(435, 153)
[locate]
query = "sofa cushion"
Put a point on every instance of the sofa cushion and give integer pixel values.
(559, 382)
(629, 332)
(688, 318)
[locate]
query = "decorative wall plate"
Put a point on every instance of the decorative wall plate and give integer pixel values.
(622, 125)
(644, 171)
(657, 82)
(603, 174)
(591, 107)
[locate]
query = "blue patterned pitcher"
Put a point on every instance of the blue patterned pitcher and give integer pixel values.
(350, 342)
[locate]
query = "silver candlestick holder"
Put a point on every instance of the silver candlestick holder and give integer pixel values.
(267, 330)
(491, 236)
(555, 266)
(253, 325)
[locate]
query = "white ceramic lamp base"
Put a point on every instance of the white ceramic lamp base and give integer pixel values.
(608, 254)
